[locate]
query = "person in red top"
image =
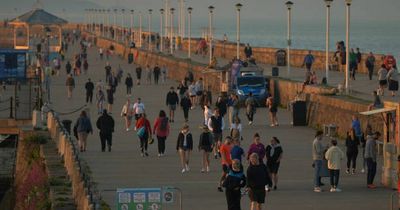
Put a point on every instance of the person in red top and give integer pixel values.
(226, 161)
(161, 130)
(143, 129)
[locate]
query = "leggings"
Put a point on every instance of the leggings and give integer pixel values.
(351, 158)
(161, 144)
(143, 143)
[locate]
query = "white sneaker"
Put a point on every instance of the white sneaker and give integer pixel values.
(332, 189)
(338, 190)
(159, 155)
(127, 129)
(272, 125)
(142, 154)
(208, 169)
(187, 167)
(202, 170)
(317, 189)
(250, 122)
(183, 171)
(362, 170)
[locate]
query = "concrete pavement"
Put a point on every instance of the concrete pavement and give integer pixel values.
(125, 168)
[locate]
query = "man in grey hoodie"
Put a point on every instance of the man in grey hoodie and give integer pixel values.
(370, 157)
(317, 154)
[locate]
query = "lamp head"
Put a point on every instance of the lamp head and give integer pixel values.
(172, 10)
(190, 10)
(238, 6)
(328, 2)
(150, 11)
(289, 4)
(162, 11)
(132, 11)
(122, 10)
(115, 10)
(348, 2)
(211, 9)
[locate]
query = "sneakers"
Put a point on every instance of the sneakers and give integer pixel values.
(183, 170)
(338, 190)
(347, 171)
(317, 189)
(187, 167)
(159, 155)
(251, 122)
(371, 186)
(363, 170)
(220, 189)
(353, 171)
(332, 189)
(142, 154)
(202, 170)
(272, 125)
(127, 129)
(208, 169)
(147, 154)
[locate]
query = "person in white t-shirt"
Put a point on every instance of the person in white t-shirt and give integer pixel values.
(138, 109)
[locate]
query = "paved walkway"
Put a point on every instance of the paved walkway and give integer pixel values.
(124, 167)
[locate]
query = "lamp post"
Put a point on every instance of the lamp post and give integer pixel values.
(132, 30)
(122, 25)
(140, 29)
(238, 7)
(328, 23)
(171, 47)
(149, 36)
(210, 9)
(104, 21)
(161, 30)
(289, 5)
(47, 67)
(115, 25)
(348, 4)
(108, 22)
(189, 32)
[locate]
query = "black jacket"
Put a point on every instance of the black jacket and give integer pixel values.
(181, 139)
(89, 86)
(105, 123)
(258, 176)
(234, 180)
(185, 103)
(129, 82)
(172, 98)
(205, 141)
(352, 144)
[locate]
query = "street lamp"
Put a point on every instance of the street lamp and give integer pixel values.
(115, 25)
(289, 5)
(190, 31)
(132, 30)
(328, 22)
(108, 22)
(149, 36)
(210, 9)
(171, 47)
(47, 68)
(104, 21)
(348, 4)
(122, 25)
(238, 7)
(161, 30)
(140, 29)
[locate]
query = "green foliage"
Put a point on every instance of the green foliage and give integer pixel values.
(104, 205)
(36, 139)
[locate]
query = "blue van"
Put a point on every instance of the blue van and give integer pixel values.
(256, 84)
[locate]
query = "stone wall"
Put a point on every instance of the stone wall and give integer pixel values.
(267, 55)
(324, 107)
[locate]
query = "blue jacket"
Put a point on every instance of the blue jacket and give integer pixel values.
(83, 124)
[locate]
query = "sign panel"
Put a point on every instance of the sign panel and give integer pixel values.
(139, 199)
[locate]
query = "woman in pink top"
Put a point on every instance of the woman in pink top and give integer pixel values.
(257, 147)
(161, 129)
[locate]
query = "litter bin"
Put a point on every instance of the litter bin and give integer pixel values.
(280, 58)
(299, 113)
(275, 71)
(67, 125)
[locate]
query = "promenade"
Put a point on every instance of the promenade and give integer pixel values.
(125, 168)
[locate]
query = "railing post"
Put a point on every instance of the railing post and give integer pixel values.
(11, 107)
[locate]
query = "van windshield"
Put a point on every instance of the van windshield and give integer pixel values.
(250, 82)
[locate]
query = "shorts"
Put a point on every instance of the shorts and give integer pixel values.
(257, 195)
(217, 137)
(383, 82)
(393, 85)
(273, 167)
(206, 148)
(172, 107)
(199, 93)
(137, 116)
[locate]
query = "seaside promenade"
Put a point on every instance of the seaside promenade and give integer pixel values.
(125, 168)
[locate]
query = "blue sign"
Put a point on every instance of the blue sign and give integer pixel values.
(139, 199)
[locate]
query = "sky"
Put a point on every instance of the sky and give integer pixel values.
(306, 10)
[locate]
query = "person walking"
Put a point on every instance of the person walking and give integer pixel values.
(143, 129)
(236, 129)
(70, 83)
(161, 130)
(370, 156)
(274, 154)
(85, 66)
(308, 61)
(235, 180)
(250, 105)
(226, 161)
(107, 70)
(126, 113)
(100, 97)
(156, 73)
(68, 67)
(89, 86)
(257, 181)
(184, 146)
(138, 108)
(257, 147)
(105, 123)
(334, 155)
(237, 151)
(83, 127)
(382, 75)
(138, 71)
(370, 64)
(110, 100)
(148, 74)
(273, 109)
(393, 80)
(164, 73)
(186, 104)
(192, 94)
(205, 147)
(352, 143)
(199, 86)
(101, 53)
(129, 84)
(317, 154)
(221, 104)
(172, 101)
(182, 88)
(207, 113)
(216, 126)
(353, 64)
